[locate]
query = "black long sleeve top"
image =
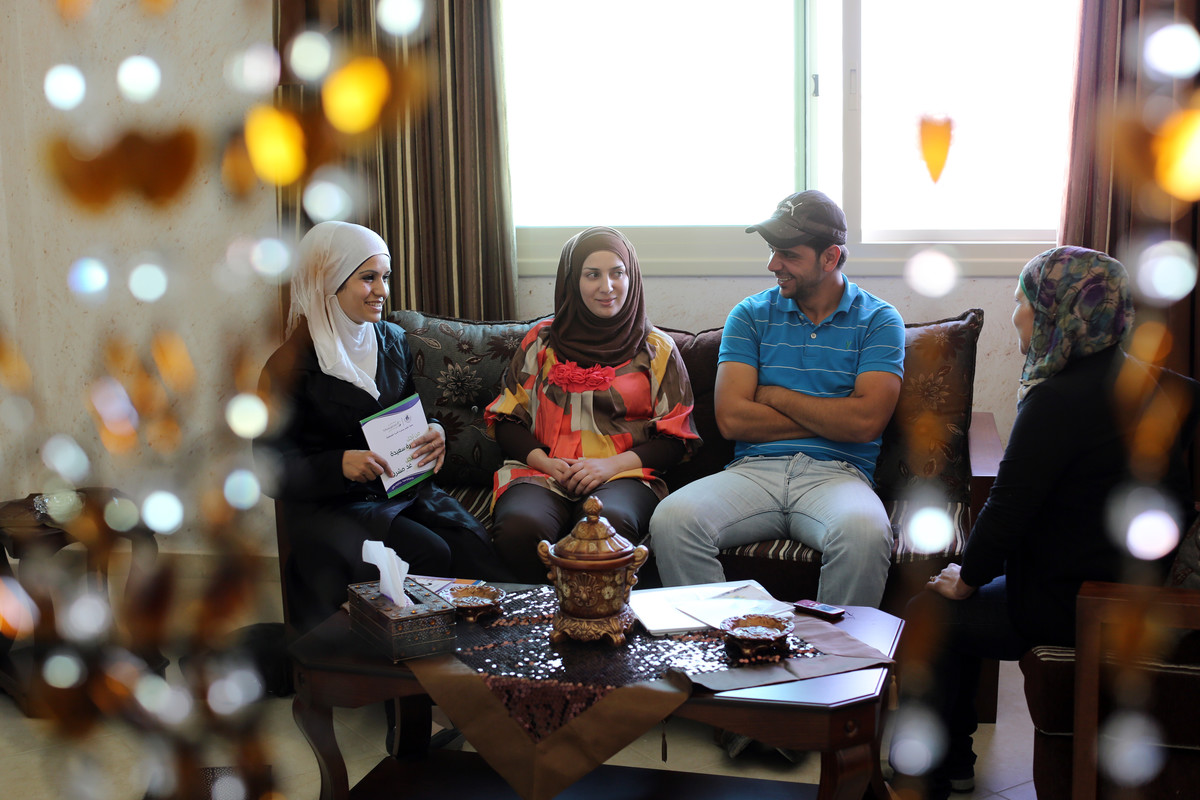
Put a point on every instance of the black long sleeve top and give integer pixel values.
(1045, 525)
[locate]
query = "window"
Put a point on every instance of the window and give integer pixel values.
(648, 112)
(1003, 73)
(682, 121)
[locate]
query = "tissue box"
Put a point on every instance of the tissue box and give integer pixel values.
(424, 628)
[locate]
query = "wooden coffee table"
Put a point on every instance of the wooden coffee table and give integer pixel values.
(839, 715)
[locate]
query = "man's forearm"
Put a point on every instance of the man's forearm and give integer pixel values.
(750, 421)
(839, 419)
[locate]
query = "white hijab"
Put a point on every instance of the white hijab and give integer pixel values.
(327, 255)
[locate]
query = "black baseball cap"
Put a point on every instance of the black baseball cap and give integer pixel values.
(803, 218)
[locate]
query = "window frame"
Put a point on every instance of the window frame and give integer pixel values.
(728, 251)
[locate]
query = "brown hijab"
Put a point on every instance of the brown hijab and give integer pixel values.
(577, 334)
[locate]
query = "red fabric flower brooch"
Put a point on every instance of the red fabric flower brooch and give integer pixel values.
(574, 378)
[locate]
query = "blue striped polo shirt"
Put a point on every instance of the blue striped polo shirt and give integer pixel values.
(771, 334)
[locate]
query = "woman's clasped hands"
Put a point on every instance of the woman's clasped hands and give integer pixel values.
(578, 476)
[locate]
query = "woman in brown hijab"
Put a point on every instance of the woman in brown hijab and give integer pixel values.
(596, 402)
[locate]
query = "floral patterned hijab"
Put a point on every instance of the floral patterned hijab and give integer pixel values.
(1081, 305)
(577, 334)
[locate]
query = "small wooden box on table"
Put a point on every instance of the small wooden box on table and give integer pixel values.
(423, 628)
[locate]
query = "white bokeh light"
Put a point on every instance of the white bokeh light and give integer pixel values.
(162, 511)
(120, 514)
(139, 78)
(1173, 51)
(270, 257)
(242, 490)
(1152, 534)
(253, 71)
(87, 277)
(931, 273)
(333, 193)
(325, 200)
(63, 670)
(171, 704)
(246, 415)
(148, 282)
(62, 454)
(309, 56)
(930, 530)
(1130, 748)
(1143, 520)
(1166, 272)
(399, 17)
(918, 742)
(234, 691)
(65, 86)
(87, 618)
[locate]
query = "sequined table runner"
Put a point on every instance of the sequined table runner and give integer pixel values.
(544, 715)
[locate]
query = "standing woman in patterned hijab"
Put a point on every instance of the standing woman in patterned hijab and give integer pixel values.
(596, 402)
(1046, 527)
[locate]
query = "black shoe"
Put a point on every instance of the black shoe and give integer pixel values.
(964, 783)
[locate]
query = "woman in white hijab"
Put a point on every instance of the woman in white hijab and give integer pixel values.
(341, 364)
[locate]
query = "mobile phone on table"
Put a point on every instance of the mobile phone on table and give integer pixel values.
(822, 610)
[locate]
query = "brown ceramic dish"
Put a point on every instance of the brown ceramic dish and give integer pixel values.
(475, 602)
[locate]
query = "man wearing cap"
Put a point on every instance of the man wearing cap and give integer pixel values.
(808, 376)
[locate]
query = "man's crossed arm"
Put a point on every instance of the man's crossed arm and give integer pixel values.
(749, 412)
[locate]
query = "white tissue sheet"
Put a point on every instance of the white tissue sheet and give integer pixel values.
(392, 571)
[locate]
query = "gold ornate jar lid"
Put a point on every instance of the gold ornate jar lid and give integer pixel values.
(592, 538)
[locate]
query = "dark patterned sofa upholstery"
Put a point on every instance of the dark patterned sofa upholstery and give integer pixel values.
(926, 451)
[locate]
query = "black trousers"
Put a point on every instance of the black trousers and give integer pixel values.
(945, 642)
(526, 514)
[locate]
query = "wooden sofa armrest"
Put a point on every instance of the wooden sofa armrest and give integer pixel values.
(985, 451)
(1098, 604)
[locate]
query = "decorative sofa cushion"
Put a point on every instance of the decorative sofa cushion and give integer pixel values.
(459, 363)
(925, 444)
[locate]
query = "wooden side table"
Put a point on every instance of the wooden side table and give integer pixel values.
(28, 530)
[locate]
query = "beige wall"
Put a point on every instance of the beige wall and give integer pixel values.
(42, 233)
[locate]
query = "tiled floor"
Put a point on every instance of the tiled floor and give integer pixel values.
(108, 764)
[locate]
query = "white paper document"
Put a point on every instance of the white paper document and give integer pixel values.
(390, 433)
(682, 609)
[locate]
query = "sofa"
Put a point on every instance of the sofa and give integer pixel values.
(931, 453)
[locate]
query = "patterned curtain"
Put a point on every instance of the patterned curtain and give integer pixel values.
(437, 170)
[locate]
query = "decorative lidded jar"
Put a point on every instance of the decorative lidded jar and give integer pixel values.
(593, 569)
